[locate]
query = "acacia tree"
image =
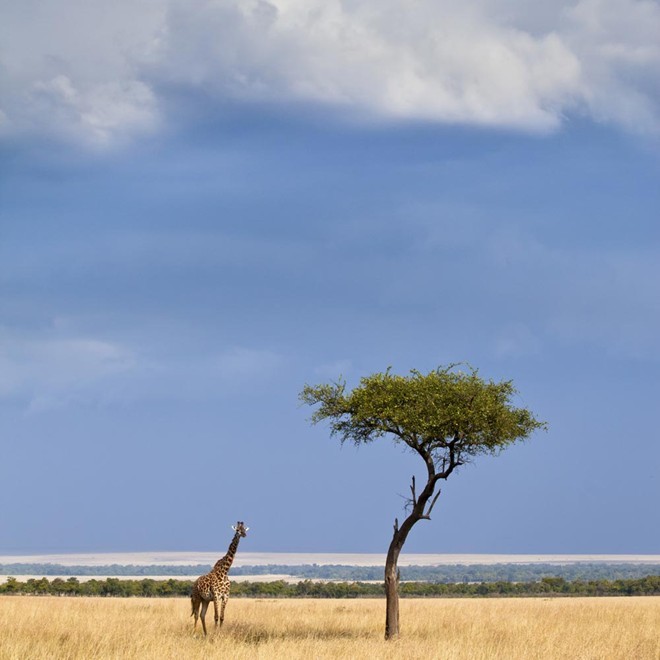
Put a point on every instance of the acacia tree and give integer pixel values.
(447, 417)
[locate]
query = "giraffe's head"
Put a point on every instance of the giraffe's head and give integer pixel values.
(240, 529)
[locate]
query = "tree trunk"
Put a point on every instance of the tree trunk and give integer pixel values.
(392, 588)
(420, 511)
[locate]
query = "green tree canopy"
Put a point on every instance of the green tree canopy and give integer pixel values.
(434, 414)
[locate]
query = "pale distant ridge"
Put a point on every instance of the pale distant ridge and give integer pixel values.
(301, 558)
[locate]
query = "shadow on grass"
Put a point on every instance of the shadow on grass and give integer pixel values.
(255, 634)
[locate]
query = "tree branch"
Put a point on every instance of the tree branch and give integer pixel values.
(449, 466)
(427, 515)
(394, 430)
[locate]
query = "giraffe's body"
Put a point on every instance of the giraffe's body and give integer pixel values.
(214, 586)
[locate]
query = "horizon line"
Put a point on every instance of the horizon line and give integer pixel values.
(179, 558)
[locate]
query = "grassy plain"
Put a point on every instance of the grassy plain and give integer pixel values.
(484, 629)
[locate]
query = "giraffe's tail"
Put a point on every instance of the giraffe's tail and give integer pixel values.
(194, 605)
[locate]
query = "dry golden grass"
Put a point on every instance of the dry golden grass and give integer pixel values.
(493, 629)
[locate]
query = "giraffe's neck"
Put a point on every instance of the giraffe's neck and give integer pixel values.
(223, 565)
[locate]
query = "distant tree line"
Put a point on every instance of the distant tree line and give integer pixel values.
(460, 573)
(108, 569)
(443, 574)
(548, 586)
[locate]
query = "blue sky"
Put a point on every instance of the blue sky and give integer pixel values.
(205, 206)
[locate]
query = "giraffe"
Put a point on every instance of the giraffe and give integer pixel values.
(214, 586)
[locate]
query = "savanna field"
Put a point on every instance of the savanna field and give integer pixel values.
(451, 629)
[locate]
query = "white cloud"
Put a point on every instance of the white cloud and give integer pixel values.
(94, 70)
(48, 372)
(617, 43)
(71, 68)
(435, 63)
(98, 113)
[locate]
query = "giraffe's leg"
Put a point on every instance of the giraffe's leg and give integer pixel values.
(205, 605)
(195, 602)
(215, 609)
(222, 609)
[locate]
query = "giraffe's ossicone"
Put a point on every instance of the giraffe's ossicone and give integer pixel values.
(214, 586)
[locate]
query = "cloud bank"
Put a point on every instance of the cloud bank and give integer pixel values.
(101, 72)
(54, 369)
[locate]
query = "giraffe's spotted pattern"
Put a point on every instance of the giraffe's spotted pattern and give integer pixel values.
(214, 586)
